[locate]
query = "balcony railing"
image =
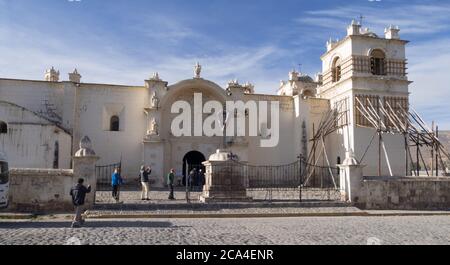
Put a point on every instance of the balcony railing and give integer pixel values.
(363, 65)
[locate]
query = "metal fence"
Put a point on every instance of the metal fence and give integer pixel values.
(295, 181)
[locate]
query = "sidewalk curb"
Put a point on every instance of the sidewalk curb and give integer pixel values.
(235, 215)
(265, 215)
(408, 214)
(231, 215)
(17, 216)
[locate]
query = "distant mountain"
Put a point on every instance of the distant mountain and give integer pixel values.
(444, 137)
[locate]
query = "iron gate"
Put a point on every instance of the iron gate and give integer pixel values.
(104, 176)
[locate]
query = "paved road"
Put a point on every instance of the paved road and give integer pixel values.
(329, 230)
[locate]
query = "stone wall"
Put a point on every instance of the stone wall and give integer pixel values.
(407, 193)
(39, 190)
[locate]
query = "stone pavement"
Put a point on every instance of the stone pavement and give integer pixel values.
(132, 206)
(264, 231)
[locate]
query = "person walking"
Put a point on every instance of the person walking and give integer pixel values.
(116, 182)
(78, 194)
(170, 181)
(202, 179)
(191, 178)
(145, 176)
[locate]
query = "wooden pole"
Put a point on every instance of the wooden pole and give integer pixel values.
(417, 155)
(437, 152)
(424, 164)
(432, 150)
(379, 152)
(314, 152)
(387, 158)
(406, 154)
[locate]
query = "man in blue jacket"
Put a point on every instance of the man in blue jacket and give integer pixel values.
(78, 194)
(116, 182)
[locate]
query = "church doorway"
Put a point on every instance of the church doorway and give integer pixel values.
(193, 160)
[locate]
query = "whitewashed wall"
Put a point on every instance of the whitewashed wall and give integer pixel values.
(30, 141)
(112, 146)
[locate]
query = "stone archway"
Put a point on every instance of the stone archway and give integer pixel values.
(192, 160)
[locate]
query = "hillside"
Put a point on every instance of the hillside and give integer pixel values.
(444, 136)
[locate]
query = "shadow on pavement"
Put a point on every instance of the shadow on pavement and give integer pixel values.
(88, 224)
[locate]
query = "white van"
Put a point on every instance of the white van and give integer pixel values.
(4, 181)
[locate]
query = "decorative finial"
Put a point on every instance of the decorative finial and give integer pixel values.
(75, 77)
(155, 77)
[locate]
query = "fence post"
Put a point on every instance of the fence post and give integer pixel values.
(84, 167)
(351, 179)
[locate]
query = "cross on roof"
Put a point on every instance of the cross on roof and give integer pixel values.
(361, 17)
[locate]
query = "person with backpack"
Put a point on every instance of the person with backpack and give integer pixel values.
(116, 181)
(78, 194)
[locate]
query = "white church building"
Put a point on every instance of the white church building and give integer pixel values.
(42, 122)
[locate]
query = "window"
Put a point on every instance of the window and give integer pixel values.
(3, 127)
(56, 156)
(336, 69)
(114, 124)
(378, 62)
(4, 173)
(339, 162)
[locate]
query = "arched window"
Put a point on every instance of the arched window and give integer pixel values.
(336, 69)
(378, 62)
(114, 124)
(3, 127)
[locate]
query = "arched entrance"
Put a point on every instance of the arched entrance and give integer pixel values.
(193, 160)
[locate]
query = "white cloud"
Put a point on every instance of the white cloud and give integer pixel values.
(412, 19)
(26, 53)
(163, 29)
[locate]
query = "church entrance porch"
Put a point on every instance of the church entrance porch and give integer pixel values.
(193, 161)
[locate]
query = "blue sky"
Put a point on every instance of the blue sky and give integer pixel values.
(124, 41)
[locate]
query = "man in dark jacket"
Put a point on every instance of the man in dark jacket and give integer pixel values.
(78, 194)
(170, 181)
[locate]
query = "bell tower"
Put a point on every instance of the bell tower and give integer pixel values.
(364, 68)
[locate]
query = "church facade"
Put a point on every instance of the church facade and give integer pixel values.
(42, 122)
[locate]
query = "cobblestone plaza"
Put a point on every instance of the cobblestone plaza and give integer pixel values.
(257, 231)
